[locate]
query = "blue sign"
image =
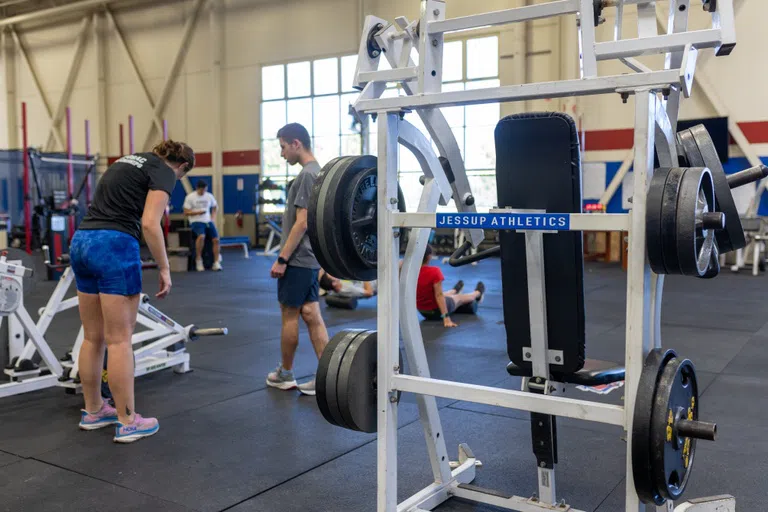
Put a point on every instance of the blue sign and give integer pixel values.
(512, 221)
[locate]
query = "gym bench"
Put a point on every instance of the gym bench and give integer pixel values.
(235, 241)
(272, 246)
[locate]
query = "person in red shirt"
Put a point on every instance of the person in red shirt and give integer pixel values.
(435, 304)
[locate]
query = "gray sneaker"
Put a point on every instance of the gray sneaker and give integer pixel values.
(308, 388)
(281, 379)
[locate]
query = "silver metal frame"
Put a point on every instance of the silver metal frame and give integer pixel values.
(21, 323)
(163, 332)
(657, 99)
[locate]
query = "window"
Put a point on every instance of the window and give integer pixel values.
(467, 64)
(316, 94)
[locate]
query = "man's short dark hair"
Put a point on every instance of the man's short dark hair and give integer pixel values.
(201, 184)
(295, 131)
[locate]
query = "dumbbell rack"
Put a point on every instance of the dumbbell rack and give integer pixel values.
(657, 98)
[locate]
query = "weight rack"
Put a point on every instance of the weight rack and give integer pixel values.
(657, 99)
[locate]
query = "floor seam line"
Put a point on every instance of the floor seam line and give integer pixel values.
(275, 486)
(85, 475)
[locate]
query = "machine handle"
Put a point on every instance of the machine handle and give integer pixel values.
(195, 333)
(747, 176)
(26, 272)
(458, 259)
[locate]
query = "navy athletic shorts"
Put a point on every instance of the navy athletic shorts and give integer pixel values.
(298, 286)
(106, 261)
(204, 228)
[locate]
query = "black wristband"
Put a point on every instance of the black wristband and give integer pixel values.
(282, 260)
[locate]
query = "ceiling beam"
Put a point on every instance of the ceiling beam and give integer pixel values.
(36, 80)
(175, 68)
(53, 12)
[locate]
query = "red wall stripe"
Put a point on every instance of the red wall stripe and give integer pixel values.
(229, 158)
(755, 131)
(595, 140)
(238, 158)
(606, 140)
(203, 159)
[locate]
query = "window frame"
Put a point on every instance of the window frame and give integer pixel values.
(290, 172)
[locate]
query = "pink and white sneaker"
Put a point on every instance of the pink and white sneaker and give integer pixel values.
(106, 416)
(141, 427)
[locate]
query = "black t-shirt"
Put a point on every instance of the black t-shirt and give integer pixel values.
(118, 202)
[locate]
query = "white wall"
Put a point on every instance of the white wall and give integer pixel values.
(271, 31)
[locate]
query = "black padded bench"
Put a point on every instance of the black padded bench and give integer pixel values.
(538, 167)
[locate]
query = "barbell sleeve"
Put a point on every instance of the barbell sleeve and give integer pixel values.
(713, 220)
(695, 429)
(747, 176)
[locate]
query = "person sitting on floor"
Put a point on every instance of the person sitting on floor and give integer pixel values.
(346, 288)
(433, 303)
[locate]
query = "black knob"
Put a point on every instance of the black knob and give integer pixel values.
(713, 220)
(470, 200)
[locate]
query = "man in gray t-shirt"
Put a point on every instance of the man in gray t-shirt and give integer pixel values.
(296, 268)
(298, 197)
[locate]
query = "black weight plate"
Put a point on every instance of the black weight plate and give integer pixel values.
(359, 214)
(349, 265)
(641, 425)
(653, 220)
(714, 265)
(694, 244)
(315, 216)
(705, 155)
(669, 220)
(323, 371)
(332, 390)
(677, 397)
(332, 208)
(357, 383)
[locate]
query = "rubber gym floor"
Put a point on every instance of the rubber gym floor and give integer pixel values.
(228, 443)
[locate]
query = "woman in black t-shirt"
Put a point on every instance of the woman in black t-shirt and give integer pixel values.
(129, 201)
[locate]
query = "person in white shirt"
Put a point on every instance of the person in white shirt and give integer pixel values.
(345, 288)
(199, 207)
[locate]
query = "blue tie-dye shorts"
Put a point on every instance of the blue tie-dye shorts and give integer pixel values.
(106, 261)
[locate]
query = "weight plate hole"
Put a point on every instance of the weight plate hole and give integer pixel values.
(674, 480)
(685, 377)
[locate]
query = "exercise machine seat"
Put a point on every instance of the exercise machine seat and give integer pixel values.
(594, 373)
(538, 167)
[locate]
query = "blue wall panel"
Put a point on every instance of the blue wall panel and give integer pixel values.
(240, 200)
